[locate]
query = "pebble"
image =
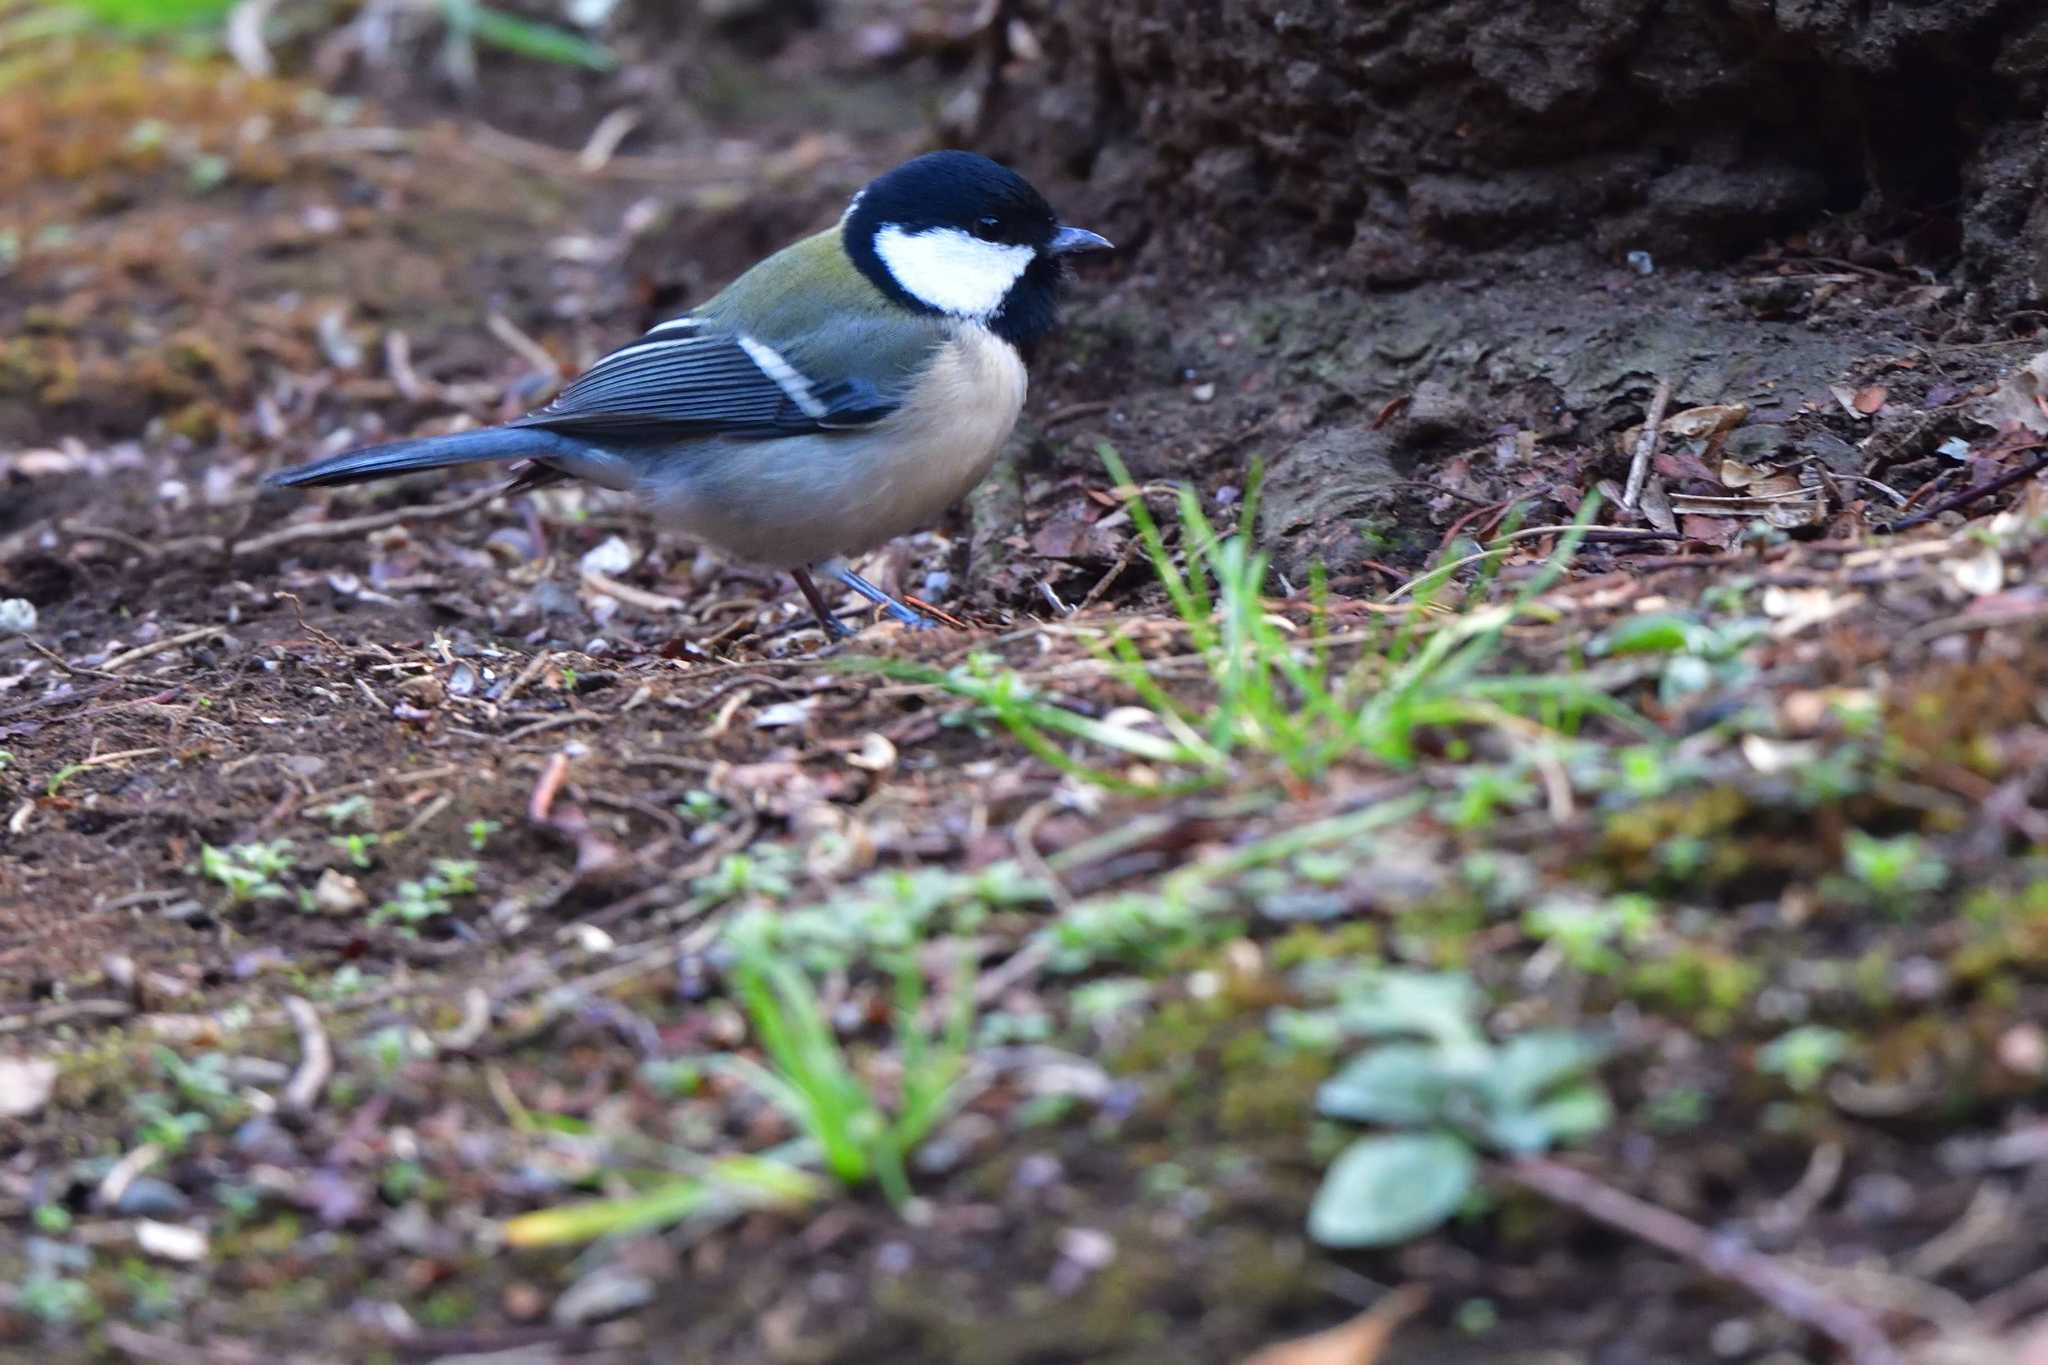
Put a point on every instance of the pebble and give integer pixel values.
(149, 1197)
(610, 558)
(337, 893)
(606, 1292)
(264, 1139)
(17, 616)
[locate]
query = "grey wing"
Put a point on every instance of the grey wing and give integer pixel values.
(690, 377)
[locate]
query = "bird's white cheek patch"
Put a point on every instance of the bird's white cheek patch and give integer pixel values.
(952, 271)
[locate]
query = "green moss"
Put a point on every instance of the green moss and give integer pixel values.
(1703, 985)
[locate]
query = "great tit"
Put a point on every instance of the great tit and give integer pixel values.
(845, 390)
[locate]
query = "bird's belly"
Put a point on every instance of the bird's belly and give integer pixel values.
(801, 499)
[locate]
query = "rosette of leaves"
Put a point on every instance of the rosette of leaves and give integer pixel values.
(1443, 1094)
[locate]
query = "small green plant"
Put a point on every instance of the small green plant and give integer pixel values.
(1484, 792)
(60, 777)
(480, 832)
(160, 1124)
(357, 848)
(765, 872)
(1894, 872)
(1803, 1056)
(1696, 655)
(348, 810)
(1590, 935)
(6, 760)
(428, 898)
(699, 806)
(249, 872)
(810, 1078)
(56, 1299)
(1448, 1092)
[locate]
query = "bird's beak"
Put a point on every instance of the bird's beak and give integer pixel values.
(1071, 239)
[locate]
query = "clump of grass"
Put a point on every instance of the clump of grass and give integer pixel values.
(1268, 693)
(808, 1075)
(860, 1130)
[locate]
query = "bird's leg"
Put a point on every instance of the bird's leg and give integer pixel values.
(835, 629)
(910, 617)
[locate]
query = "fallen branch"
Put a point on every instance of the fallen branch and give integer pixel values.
(316, 1057)
(1969, 495)
(1790, 1293)
(109, 1010)
(73, 670)
(1646, 446)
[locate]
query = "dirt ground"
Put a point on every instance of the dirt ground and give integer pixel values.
(521, 764)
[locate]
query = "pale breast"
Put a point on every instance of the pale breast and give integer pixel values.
(804, 499)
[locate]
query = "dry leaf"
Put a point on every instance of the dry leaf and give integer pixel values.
(2019, 401)
(1736, 474)
(1656, 506)
(877, 754)
(1981, 574)
(1698, 423)
(1361, 1341)
(1772, 756)
(25, 1085)
(1871, 399)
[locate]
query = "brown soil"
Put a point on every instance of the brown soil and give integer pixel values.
(191, 312)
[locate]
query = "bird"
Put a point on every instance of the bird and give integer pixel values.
(843, 391)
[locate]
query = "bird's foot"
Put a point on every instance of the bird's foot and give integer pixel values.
(912, 618)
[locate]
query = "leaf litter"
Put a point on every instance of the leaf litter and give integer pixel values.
(382, 873)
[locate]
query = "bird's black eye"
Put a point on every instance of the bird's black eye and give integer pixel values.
(988, 229)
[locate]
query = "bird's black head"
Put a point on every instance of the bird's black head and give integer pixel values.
(955, 233)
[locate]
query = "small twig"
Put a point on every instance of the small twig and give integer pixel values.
(122, 1174)
(1024, 837)
(80, 670)
(604, 141)
(316, 1057)
(1791, 1294)
(109, 1010)
(1646, 446)
(540, 806)
(526, 675)
(78, 531)
(630, 595)
(357, 526)
(1967, 496)
(153, 1349)
(527, 349)
(1123, 561)
(551, 723)
(169, 642)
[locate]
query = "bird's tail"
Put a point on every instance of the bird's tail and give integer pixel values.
(484, 446)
